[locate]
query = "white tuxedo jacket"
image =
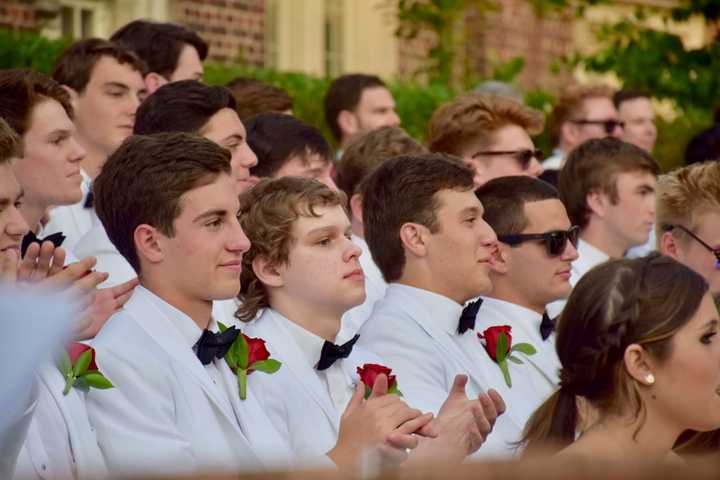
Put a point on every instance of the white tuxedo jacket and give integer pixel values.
(537, 378)
(298, 402)
(165, 414)
(95, 243)
(37, 461)
(415, 332)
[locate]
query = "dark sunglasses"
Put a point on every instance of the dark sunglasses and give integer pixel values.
(524, 157)
(555, 241)
(608, 125)
(715, 251)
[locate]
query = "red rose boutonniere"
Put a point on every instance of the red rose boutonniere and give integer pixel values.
(246, 355)
(78, 368)
(498, 344)
(370, 371)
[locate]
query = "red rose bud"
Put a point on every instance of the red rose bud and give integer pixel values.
(491, 336)
(75, 349)
(369, 372)
(256, 350)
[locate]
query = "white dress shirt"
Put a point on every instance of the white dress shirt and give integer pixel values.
(375, 287)
(554, 161)
(415, 332)
(537, 377)
(74, 220)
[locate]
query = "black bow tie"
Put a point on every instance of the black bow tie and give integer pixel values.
(215, 345)
(331, 352)
(547, 326)
(56, 238)
(89, 200)
(467, 318)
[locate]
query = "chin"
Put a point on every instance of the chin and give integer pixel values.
(226, 291)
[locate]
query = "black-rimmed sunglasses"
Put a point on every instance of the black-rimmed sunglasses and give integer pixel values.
(524, 156)
(555, 241)
(715, 251)
(608, 125)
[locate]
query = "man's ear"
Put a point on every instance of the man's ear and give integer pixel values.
(414, 238)
(153, 81)
(347, 121)
(148, 243)
(639, 365)
(73, 96)
(268, 273)
(668, 245)
(356, 208)
(597, 202)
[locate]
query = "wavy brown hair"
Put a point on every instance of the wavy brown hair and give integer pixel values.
(642, 301)
(267, 214)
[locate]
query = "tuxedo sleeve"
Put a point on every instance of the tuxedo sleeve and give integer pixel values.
(135, 421)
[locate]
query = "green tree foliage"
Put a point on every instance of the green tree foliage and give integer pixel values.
(29, 50)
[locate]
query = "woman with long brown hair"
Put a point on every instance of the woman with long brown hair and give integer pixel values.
(639, 348)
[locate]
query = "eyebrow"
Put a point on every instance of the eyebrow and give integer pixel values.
(218, 212)
(234, 136)
(711, 323)
(646, 186)
(467, 210)
(116, 85)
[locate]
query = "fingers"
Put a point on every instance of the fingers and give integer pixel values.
(68, 276)
(488, 408)
(124, 289)
(458, 387)
(58, 262)
(27, 265)
(44, 260)
(417, 424)
(9, 267)
(497, 400)
(356, 400)
(483, 421)
(380, 387)
(401, 440)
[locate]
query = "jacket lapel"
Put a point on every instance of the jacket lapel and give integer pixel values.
(284, 348)
(160, 327)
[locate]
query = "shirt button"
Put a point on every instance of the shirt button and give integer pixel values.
(44, 467)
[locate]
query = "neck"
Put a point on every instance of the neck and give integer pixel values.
(654, 438)
(503, 290)
(322, 321)
(420, 277)
(33, 213)
(603, 240)
(199, 310)
(93, 161)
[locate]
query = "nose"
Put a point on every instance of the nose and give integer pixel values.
(77, 152)
(570, 253)
(16, 226)
(488, 236)
(249, 159)
(352, 252)
(535, 169)
(329, 182)
(395, 119)
(239, 242)
(617, 130)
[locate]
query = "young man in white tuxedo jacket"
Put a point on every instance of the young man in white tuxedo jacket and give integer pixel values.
(184, 106)
(302, 273)
(536, 245)
(169, 204)
(608, 188)
(424, 226)
(363, 154)
(105, 83)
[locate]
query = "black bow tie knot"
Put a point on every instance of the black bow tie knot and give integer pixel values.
(331, 352)
(547, 326)
(467, 318)
(215, 345)
(57, 239)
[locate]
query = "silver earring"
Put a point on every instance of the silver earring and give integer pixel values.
(650, 379)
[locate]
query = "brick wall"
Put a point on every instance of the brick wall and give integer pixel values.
(514, 31)
(234, 29)
(18, 14)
